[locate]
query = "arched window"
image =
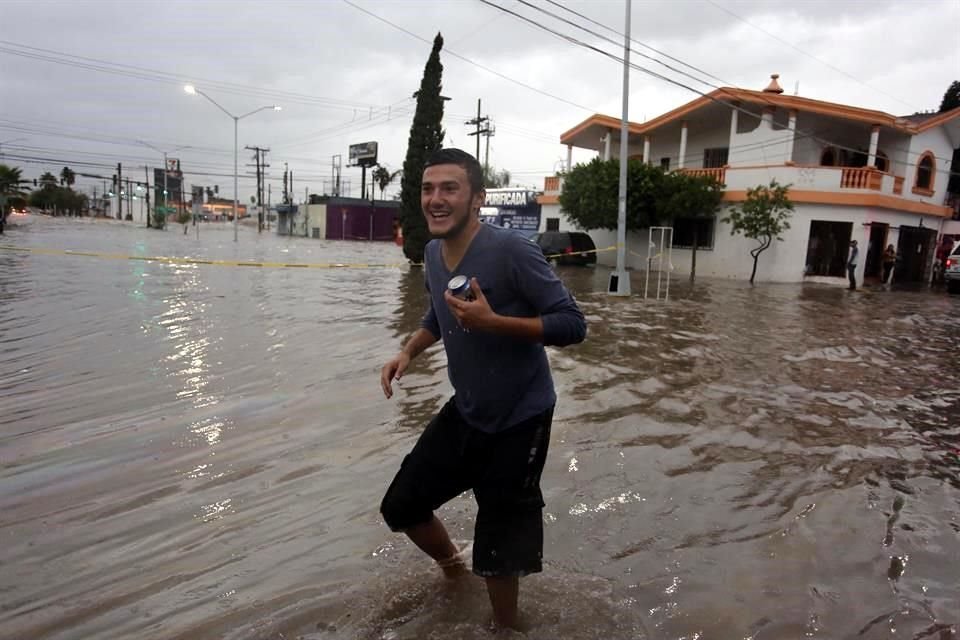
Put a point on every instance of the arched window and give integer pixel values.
(829, 157)
(926, 167)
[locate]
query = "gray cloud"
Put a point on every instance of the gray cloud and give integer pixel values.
(345, 68)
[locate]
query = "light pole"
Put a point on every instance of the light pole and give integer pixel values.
(192, 90)
(165, 169)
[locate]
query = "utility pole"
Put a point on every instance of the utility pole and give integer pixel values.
(335, 175)
(260, 157)
(477, 121)
(146, 173)
(129, 200)
(488, 132)
(620, 279)
(119, 191)
(269, 196)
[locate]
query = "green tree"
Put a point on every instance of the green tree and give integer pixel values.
(590, 194)
(493, 179)
(159, 218)
(426, 136)
(383, 177)
(951, 98)
(67, 177)
(763, 216)
(689, 196)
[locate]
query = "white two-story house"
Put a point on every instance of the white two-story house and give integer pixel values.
(854, 173)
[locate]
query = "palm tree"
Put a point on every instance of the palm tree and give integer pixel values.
(67, 177)
(383, 177)
(10, 180)
(48, 181)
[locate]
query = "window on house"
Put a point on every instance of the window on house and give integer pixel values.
(715, 158)
(685, 230)
(924, 172)
(665, 164)
(553, 224)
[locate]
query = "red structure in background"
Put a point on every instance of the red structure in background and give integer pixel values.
(356, 219)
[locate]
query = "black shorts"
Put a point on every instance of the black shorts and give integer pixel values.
(503, 470)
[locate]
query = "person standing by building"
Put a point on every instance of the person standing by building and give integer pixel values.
(492, 436)
(852, 264)
(889, 260)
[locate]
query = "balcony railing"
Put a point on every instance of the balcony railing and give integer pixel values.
(898, 185)
(861, 178)
(718, 173)
(551, 184)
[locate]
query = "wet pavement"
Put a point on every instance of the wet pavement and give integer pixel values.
(195, 451)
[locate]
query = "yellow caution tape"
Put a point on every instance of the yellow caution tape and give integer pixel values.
(580, 253)
(205, 261)
(245, 263)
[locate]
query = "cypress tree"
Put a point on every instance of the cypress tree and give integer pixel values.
(426, 136)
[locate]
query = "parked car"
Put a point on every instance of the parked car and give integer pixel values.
(567, 247)
(951, 270)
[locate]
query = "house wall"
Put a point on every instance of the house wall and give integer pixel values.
(782, 262)
(934, 140)
(665, 144)
(701, 136)
(315, 219)
(554, 211)
(759, 141)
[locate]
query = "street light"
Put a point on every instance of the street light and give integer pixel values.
(192, 90)
(165, 169)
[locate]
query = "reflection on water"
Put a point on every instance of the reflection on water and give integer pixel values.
(199, 452)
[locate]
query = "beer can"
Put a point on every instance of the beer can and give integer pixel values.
(459, 287)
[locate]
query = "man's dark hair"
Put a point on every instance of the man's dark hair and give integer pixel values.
(461, 159)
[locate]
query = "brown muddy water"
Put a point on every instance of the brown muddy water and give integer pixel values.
(192, 452)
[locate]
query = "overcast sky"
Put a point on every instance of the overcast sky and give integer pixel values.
(82, 82)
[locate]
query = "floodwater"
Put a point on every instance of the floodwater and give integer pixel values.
(194, 451)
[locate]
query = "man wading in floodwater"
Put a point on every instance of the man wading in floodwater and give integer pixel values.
(492, 436)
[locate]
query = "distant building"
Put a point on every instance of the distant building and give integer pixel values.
(219, 209)
(335, 218)
(854, 173)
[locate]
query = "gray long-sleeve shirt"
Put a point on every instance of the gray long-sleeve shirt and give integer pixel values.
(501, 381)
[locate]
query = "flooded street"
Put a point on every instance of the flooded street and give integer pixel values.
(195, 451)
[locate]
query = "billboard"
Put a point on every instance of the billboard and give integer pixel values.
(174, 187)
(362, 154)
(512, 208)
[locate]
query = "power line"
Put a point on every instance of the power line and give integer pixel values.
(469, 61)
(156, 75)
(606, 39)
(572, 40)
(646, 46)
(809, 55)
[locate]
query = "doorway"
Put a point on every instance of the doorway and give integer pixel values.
(827, 247)
(914, 255)
(878, 238)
